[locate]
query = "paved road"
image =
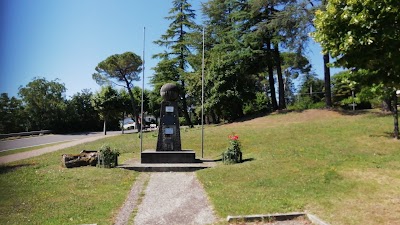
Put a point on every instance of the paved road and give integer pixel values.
(49, 139)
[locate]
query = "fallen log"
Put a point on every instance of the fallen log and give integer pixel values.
(85, 158)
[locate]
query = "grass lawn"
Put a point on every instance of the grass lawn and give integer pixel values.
(40, 191)
(343, 168)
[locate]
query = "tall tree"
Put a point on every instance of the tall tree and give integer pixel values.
(11, 114)
(293, 65)
(292, 23)
(176, 40)
(271, 80)
(108, 103)
(281, 86)
(120, 70)
(82, 115)
(366, 35)
(233, 67)
(327, 79)
(44, 102)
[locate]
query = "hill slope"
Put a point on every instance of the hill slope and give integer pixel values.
(344, 168)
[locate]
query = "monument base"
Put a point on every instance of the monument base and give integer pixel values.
(184, 156)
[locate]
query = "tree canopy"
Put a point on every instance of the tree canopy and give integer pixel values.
(44, 103)
(363, 34)
(121, 70)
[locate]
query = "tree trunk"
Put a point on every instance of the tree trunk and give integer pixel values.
(133, 105)
(327, 76)
(281, 86)
(85, 158)
(395, 116)
(123, 119)
(105, 127)
(387, 105)
(184, 104)
(271, 78)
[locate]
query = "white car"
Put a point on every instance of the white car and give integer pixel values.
(129, 126)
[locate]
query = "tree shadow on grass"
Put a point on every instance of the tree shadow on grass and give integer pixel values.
(243, 160)
(364, 112)
(248, 160)
(388, 135)
(10, 168)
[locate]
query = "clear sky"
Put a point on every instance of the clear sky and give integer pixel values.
(66, 39)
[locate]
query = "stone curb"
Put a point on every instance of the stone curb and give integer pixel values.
(276, 217)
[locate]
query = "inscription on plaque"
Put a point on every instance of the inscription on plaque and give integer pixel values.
(169, 130)
(169, 109)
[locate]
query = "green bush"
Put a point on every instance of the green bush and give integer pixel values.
(233, 154)
(306, 103)
(108, 158)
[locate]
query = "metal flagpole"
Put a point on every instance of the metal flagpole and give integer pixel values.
(141, 113)
(202, 101)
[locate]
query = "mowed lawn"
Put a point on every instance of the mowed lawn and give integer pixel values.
(343, 168)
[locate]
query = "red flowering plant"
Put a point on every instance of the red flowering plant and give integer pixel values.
(233, 154)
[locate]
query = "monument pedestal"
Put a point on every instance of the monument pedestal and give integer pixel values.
(182, 156)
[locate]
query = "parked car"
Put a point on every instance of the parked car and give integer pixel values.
(129, 124)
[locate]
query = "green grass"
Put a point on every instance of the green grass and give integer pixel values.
(316, 161)
(343, 168)
(10, 152)
(40, 191)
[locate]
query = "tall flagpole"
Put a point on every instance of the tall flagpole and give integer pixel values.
(141, 114)
(202, 101)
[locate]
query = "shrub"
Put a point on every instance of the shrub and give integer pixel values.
(108, 158)
(233, 154)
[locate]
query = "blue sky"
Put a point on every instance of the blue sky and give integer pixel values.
(66, 39)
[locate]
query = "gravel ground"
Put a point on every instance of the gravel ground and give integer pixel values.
(132, 200)
(174, 198)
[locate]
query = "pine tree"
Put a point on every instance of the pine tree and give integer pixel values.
(174, 64)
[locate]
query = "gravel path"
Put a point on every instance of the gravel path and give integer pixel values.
(174, 198)
(132, 200)
(29, 154)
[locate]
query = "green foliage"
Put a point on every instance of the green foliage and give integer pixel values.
(234, 153)
(362, 34)
(12, 118)
(259, 105)
(233, 66)
(82, 115)
(108, 158)
(174, 64)
(121, 70)
(313, 87)
(107, 102)
(44, 104)
(305, 102)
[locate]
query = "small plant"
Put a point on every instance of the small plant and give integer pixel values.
(233, 154)
(108, 158)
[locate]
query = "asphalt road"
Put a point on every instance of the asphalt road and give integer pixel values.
(49, 139)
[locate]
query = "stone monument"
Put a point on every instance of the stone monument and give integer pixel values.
(169, 148)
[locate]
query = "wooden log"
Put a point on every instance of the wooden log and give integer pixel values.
(85, 158)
